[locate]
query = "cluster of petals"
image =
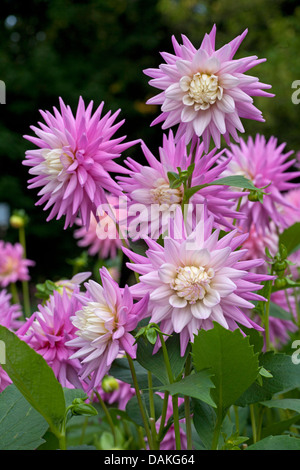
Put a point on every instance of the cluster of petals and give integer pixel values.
(10, 318)
(149, 186)
(206, 91)
(102, 237)
(196, 279)
(74, 159)
(258, 241)
(103, 325)
(9, 313)
(264, 163)
(13, 267)
(49, 329)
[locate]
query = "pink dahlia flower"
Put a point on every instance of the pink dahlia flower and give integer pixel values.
(256, 245)
(120, 396)
(264, 163)
(73, 161)
(291, 212)
(9, 313)
(48, 330)
(103, 324)
(13, 267)
(150, 187)
(205, 90)
(196, 279)
(102, 237)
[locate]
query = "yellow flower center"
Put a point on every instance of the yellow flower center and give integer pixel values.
(192, 282)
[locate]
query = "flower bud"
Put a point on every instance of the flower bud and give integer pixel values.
(109, 384)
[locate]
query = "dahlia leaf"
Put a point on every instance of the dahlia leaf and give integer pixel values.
(286, 376)
(237, 181)
(290, 238)
(155, 362)
(230, 358)
(276, 443)
(21, 427)
(34, 379)
(197, 386)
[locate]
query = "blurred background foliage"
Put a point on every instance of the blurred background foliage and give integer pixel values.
(98, 49)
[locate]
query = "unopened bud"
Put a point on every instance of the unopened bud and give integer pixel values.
(109, 384)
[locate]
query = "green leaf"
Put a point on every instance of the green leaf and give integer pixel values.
(197, 386)
(120, 370)
(204, 419)
(230, 358)
(284, 404)
(21, 427)
(290, 238)
(276, 443)
(155, 362)
(237, 181)
(278, 312)
(286, 376)
(133, 411)
(34, 378)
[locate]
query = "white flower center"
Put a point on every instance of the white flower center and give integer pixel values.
(52, 165)
(55, 161)
(192, 282)
(202, 89)
(94, 321)
(163, 194)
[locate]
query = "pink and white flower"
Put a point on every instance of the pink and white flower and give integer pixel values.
(264, 163)
(48, 330)
(196, 279)
(73, 162)
(102, 237)
(206, 91)
(13, 267)
(149, 187)
(9, 313)
(103, 327)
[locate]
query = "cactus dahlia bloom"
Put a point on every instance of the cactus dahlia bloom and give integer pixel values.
(102, 237)
(206, 90)
(256, 245)
(13, 267)
(196, 279)
(149, 186)
(73, 161)
(103, 324)
(264, 163)
(47, 332)
(292, 214)
(9, 313)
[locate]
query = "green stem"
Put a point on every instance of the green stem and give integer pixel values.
(238, 207)
(152, 411)
(266, 316)
(175, 397)
(253, 423)
(176, 421)
(163, 415)
(14, 293)
(237, 421)
(140, 401)
(187, 408)
(216, 434)
(25, 286)
(107, 414)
